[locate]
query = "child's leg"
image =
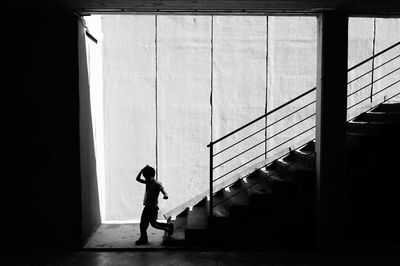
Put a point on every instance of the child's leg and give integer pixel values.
(144, 222)
(157, 225)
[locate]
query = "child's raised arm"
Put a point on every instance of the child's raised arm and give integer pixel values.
(140, 180)
(164, 193)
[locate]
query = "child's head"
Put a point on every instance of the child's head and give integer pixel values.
(149, 172)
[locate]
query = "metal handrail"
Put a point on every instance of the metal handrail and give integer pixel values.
(305, 93)
(384, 76)
(348, 108)
(212, 143)
(261, 117)
(264, 153)
(261, 142)
(281, 169)
(258, 131)
(375, 68)
(372, 57)
(385, 100)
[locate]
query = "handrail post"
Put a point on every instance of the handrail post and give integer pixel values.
(211, 180)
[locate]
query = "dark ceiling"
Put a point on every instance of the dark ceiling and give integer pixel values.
(360, 7)
(353, 7)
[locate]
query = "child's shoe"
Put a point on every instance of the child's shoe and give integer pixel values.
(141, 241)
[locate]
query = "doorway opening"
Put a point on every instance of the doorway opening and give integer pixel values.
(163, 86)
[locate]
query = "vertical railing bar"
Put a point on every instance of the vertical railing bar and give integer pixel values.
(211, 181)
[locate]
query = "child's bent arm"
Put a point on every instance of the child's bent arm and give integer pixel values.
(139, 179)
(164, 193)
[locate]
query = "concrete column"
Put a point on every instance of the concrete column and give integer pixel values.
(331, 127)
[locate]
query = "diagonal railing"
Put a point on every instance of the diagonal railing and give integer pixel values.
(292, 124)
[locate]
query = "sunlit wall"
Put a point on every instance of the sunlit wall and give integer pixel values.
(173, 83)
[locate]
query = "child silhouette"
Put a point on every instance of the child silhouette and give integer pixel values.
(150, 202)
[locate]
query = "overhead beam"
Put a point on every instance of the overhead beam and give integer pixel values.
(247, 7)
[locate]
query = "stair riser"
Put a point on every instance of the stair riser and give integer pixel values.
(380, 117)
(394, 107)
(372, 128)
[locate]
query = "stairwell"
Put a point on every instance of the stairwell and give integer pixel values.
(373, 176)
(273, 202)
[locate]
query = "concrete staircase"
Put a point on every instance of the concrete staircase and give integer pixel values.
(275, 204)
(373, 176)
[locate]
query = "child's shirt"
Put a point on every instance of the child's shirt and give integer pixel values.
(153, 189)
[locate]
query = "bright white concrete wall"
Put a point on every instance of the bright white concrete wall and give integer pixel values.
(239, 86)
(258, 63)
(361, 41)
(292, 46)
(129, 110)
(184, 112)
(387, 33)
(369, 36)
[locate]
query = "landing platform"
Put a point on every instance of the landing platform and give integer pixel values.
(123, 236)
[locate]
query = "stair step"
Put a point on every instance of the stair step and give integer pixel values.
(388, 107)
(379, 117)
(219, 209)
(279, 185)
(237, 199)
(308, 148)
(273, 167)
(297, 157)
(296, 167)
(196, 218)
(180, 223)
(372, 128)
(258, 188)
(257, 183)
(196, 228)
(363, 128)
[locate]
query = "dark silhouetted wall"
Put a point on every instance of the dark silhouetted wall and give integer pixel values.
(40, 183)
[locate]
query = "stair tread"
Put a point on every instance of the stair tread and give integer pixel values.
(256, 183)
(277, 177)
(372, 128)
(374, 116)
(236, 194)
(388, 107)
(259, 188)
(273, 167)
(374, 123)
(363, 127)
(299, 157)
(179, 223)
(308, 148)
(196, 218)
(295, 166)
(219, 209)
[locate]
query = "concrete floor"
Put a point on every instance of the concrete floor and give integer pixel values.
(123, 236)
(114, 245)
(143, 258)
